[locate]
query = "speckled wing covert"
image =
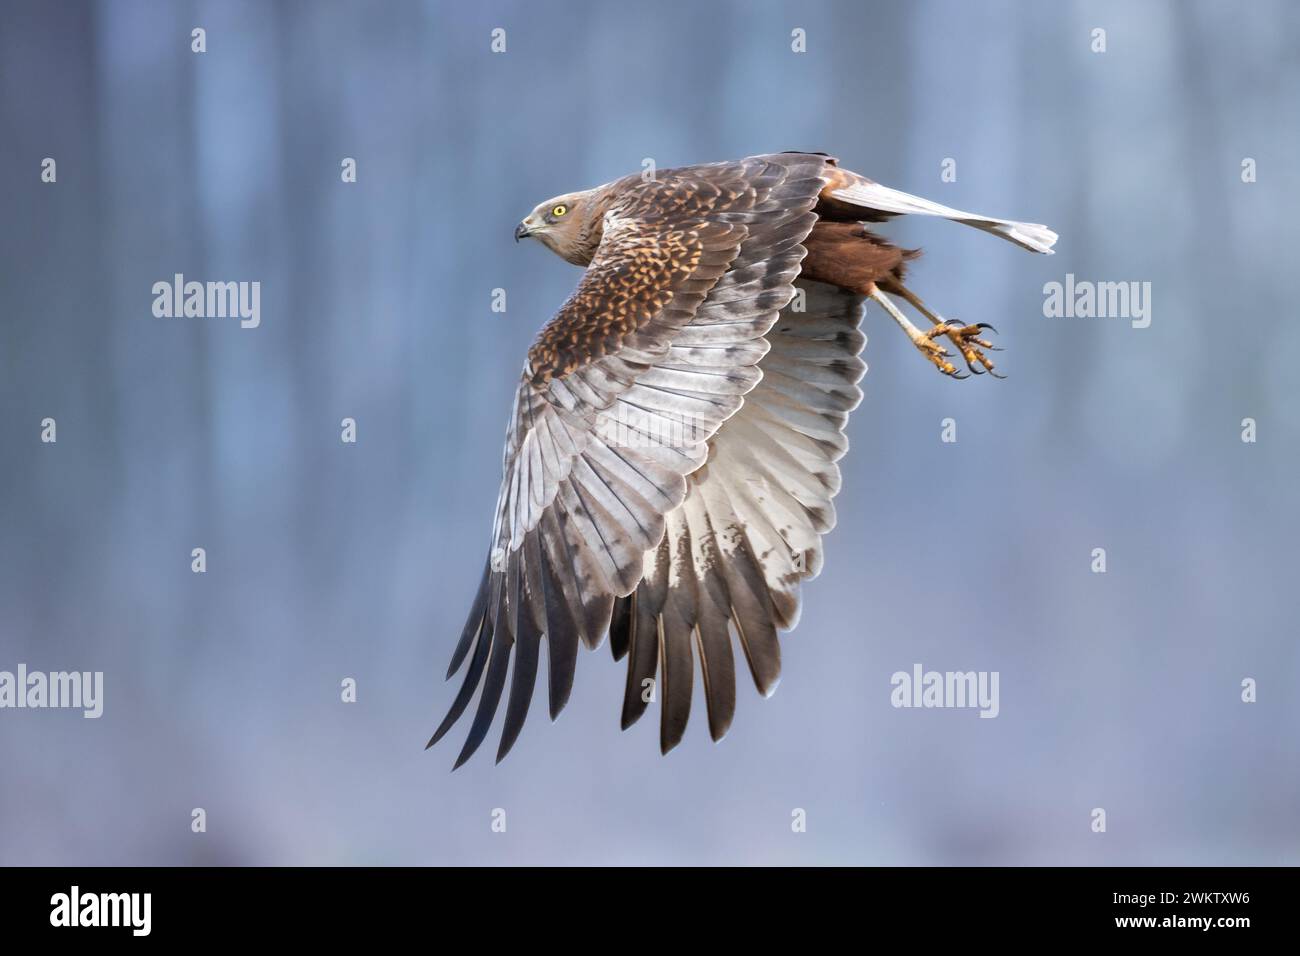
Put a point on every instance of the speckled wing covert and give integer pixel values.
(669, 465)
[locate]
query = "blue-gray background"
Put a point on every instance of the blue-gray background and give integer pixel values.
(328, 561)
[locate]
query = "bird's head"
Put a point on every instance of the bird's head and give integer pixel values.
(568, 225)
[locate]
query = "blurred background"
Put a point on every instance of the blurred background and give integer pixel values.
(327, 560)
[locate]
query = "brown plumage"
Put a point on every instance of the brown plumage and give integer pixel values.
(672, 457)
(850, 256)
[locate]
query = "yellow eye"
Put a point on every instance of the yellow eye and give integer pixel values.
(559, 210)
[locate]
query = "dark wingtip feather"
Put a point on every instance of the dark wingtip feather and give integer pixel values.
(598, 612)
(498, 662)
(561, 650)
(620, 627)
(522, 682)
(643, 655)
(560, 692)
(675, 709)
(473, 623)
(442, 728)
(717, 663)
(468, 685)
(447, 722)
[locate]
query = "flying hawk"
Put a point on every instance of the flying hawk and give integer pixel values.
(671, 458)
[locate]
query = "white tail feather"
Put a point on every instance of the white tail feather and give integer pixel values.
(1028, 235)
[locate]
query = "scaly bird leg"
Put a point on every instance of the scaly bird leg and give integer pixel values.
(965, 337)
(924, 341)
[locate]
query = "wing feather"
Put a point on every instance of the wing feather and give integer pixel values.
(753, 516)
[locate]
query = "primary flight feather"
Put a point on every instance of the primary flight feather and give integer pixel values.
(671, 460)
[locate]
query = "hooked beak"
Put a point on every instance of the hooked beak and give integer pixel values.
(522, 231)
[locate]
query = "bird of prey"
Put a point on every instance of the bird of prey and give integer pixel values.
(671, 459)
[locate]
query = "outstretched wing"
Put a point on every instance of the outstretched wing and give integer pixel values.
(749, 530)
(614, 410)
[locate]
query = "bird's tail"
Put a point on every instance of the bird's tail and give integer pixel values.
(862, 192)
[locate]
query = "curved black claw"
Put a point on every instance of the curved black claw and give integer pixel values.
(995, 374)
(985, 325)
